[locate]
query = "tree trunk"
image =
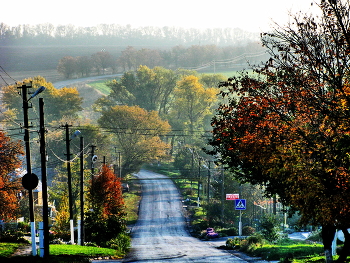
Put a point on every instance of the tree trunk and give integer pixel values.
(346, 249)
(328, 233)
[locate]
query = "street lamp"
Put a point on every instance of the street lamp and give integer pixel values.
(70, 197)
(28, 159)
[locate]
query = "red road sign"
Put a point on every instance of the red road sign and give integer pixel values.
(232, 196)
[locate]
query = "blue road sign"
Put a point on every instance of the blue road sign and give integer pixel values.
(240, 204)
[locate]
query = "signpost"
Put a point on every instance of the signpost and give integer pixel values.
(232, 196)
(240, 204)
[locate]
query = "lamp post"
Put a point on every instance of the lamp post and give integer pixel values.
(69, 173)
(28, 157)
(81, 191)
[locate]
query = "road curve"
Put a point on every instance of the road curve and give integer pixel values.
(72, 82)
(160, 235)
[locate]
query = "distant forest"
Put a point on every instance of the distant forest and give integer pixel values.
(41, 47)
(113, 34)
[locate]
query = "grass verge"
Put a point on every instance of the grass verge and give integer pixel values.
(283, 251)
(101, 86)
(58, 253)
(132, 200)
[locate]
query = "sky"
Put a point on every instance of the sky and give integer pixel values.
(250, 15)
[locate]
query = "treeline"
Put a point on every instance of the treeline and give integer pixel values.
(114, 34)
(193, 57)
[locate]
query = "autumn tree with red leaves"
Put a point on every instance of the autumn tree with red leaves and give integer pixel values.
(10, 184)
(288, 126)
(105, 219)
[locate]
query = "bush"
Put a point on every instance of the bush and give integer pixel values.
(255, 239)
(248, 231)
(101, 230)
(12, 236)
(233, 243)
(232, 231)
(269, 227)
(122, 243)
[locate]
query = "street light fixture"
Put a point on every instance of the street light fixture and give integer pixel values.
(26, 106)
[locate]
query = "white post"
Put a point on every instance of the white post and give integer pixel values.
(71, 231)
(334, 244)
(41, 239)
(240, 223)
(32, 232)
(79, 232)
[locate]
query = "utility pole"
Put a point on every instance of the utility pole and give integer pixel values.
(199, 178)
(28, 161)
(82, 191)
(208, 187)
(70, 197)
(120, 165)
(44, 180)
(222, 194)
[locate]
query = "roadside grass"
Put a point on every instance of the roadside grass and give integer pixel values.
(101, 86)
(283, 251)
(132, 200)
(85, 251)
(58, 253)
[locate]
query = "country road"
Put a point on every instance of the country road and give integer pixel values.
(72, 82)
(160, 234)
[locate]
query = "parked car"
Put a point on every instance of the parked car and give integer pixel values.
(211, 233)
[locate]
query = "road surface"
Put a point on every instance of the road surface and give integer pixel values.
(160, 235)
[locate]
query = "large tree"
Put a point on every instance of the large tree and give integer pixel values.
(58, 102)
(10, 183)
(192, 103)
(106, 217)
(137, 135)
(288, 127)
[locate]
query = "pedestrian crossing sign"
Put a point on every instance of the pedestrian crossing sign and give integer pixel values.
(240, 204)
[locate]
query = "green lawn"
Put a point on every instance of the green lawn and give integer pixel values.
(58, 253)
(132, 200)
(101, 86)
(7, 249)
(277, 252)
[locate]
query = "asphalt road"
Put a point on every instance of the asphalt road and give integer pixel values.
(160, 234)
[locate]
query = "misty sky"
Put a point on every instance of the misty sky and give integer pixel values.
(251, 15)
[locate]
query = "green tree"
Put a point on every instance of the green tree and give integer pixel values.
(101, 61)
(67, 66)
(58, 102)
(137, 135)
(192, 102)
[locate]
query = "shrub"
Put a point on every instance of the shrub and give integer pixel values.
(248, 231)
(269, 227)
(121, 243)
(233, 243)
(13, 236)
(232, 231)
(255, 239)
